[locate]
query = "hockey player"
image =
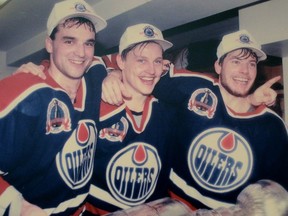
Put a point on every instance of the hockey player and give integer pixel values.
(49, 127)
(132, 161)
(223, 143)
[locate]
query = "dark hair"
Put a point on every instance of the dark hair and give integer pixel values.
(133, 46)
(244, 54)
(74, 21)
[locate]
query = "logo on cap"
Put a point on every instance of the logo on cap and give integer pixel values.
(80, 7)
(244, 38)
(149, 32)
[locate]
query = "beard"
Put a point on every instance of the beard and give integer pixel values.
(231, 91)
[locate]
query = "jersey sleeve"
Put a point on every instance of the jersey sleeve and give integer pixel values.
(17, 128)
(176, 85)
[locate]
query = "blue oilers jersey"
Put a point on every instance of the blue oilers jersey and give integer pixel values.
(220, 152)
(48, 143)
(132, 157)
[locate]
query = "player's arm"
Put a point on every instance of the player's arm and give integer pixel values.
(113, 89)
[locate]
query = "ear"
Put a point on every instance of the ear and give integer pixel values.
(120, 61)
(217, 67)
(48, 44)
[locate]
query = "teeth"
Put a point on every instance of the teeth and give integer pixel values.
(147, 78)
(241, 79)
(77, 62)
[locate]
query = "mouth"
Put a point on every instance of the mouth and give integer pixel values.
(241, 80)
(149, 81)
(78, 62)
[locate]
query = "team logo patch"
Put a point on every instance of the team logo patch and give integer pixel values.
(58, 117)
(149, 32)
(116, 132)
(75, 162)
(203, 102)
(133, 172)
(80, 8)
(220, 160)
(244, 39)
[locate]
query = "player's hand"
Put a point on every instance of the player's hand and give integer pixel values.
(166, 66)
(264, 94)
(29, 209)
(37, 70)
(113, 90)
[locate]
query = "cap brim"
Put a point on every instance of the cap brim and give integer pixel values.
(164, 44)
(261, 55)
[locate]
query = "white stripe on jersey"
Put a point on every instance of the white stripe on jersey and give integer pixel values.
(71, 203)
(105, 196)
(11, 197)
(192, 192)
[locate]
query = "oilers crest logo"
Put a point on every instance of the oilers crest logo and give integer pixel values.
(58, 117)
(203, 102)
(75, 161)
(116, 132)
(132, 173)
(220, 160)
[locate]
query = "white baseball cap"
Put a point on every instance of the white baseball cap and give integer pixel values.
(238, 40)
(141, 33)
(73, 8)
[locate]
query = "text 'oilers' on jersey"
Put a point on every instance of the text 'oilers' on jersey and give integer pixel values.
(132, 157)
(47, 143)
(219, 152)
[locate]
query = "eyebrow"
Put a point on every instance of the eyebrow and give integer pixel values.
(73, 38)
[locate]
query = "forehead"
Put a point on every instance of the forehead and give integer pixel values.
(76, 30)
(241, 54)
(149, 47)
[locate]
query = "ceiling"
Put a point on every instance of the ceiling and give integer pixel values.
(23, 23)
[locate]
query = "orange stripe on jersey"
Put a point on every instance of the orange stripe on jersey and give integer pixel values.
(3, 185)
(110, 61)
(174, 196)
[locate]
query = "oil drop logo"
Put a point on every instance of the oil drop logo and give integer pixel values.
(133, 172)
(220, 160)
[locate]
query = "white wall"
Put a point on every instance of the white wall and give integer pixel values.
(4, 70)
(268, 23)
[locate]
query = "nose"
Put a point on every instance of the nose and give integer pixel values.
(80, 50)
(152, 68)
(244, 68)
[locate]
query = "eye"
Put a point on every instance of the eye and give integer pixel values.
(253, 64)
(159, 61)
(68, 42)
(235, 61)
(142, 61)
(90, 43)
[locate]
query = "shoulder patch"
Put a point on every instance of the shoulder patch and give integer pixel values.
(203, 102)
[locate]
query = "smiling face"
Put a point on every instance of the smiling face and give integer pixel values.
(142, 68)
(237, 72)
(71, 51)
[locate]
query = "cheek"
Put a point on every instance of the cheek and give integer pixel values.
(90, 51)
(159, 70)
(253, 73)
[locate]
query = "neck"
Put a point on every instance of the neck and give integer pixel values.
(238, 104)
(71, 86)
(136, 103)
